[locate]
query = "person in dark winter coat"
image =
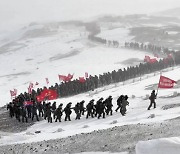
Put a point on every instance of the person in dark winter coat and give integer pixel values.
(10, 108)
(124, 104)
(48, 112)
(77, 111)
(29, 110)
(109, 105)
(102, 108)
(119, 102)
(40, 109)
(53, 109)
(90, 109)
(152, 99)
(34, 111)
(17, 111)
(59, 113)
(24, 114)
(82, 108)
(68, 112)
(97, 106)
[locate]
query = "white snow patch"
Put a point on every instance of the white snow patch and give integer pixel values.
(159, 146)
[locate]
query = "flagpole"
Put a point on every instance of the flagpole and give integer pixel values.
(158, 84)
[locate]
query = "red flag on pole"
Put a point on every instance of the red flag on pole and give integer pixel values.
(13, 93)
(153, 60)
(65, 78)
(165, 82)
(70, 76)
(47, 94)
(47, 80)
(31, 85)
(146, 59)
(82, 80)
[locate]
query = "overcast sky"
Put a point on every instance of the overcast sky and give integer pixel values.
(15, 13)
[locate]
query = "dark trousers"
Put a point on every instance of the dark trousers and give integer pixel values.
(118, 108)
(101, 113)
(152, 104)
(58, 118)
(36, 117)
(89, 113)
(67, 117)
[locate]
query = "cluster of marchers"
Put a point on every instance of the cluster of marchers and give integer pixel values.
(101, 108)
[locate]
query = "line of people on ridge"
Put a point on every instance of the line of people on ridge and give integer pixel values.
(101, 108)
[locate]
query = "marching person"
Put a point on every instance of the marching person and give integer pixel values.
(124, 104)
(119, 102)
(68, 111)
(59, 113)
(152, 99)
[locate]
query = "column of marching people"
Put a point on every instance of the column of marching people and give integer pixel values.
(39, 110)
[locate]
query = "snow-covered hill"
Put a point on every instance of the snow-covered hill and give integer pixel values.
(137, 110)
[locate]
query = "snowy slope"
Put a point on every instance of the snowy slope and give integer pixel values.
(137, 111)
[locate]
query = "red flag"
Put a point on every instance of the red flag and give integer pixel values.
(86, 75)
(82, 80)
(146, 59)
(52, 94)
(70, 76)
(47, 80)
(165, 82)
(12, 93)
(40, 98)
(62, 77)
(47, 94)
(15, 91)
(31, 85)
(29, 90)
(65, 78)
(153, 60)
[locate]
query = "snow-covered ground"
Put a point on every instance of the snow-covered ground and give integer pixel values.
(159, 146)
(137, 110)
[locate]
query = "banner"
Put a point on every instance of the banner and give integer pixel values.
(48, 94)
(165, 82)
